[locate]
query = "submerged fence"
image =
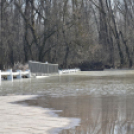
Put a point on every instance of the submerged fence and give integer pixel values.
(42, 68)
(10, 75)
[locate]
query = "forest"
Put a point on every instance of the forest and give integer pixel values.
(89, 34)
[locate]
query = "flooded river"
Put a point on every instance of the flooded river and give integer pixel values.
(100, 105)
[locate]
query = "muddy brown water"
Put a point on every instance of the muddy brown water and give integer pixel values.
(104, 105)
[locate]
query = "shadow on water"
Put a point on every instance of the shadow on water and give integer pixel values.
(104, 105)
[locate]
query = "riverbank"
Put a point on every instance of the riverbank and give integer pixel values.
(106, 73)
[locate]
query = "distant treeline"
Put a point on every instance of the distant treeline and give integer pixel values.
(90, 34)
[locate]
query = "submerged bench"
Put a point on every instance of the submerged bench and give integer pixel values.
(18, 74)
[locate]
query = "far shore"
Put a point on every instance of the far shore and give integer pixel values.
(108, 72)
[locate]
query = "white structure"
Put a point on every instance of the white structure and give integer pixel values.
(18, 74)
(68, 71)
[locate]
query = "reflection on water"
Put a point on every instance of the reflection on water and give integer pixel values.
(99, 115)
(105, 105)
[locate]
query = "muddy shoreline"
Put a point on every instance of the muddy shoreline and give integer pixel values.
(17, 119)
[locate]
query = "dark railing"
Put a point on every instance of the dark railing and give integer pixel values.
(42, 68)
